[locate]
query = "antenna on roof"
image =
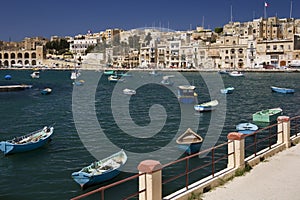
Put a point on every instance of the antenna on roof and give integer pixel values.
(231, 13)
(291, 9)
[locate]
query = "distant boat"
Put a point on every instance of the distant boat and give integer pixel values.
(7, 77)
(268, 115)
(35, 74)
(9, 88)
(75, 74)
(282, 90)
(235, 74)
(189, 141)
(167, 80)
(246, 128)
(46, 91)
(208, 106)
(228, 90)
(129, 91)
(78, 83)
(109, 72)
(187, 94)
(101, 170)
(27, 142)
(155, 73)
(223, 72)
(115, 78)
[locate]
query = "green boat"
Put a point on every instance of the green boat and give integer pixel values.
(268, 115)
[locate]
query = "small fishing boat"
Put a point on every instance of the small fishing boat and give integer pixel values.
(282, 90)
(115, 78)
(235, 74)
(246, 128)
(268, 115)
(27, 142)
(101, 170)
(155, 73)
(223, 72)
(205, 107)
(189, 141)
(187, 94)
(75, 74)
(129, 91)
(228, 90)
(7, 77)
(109, 72)
(167, 80)
(46, 91)
(35, 74)
(78, 83)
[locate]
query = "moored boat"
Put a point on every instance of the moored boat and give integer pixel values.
(78, 83)
(167, 80)
(208, 106)
(46, 91)
(228, 90)
(129, 91)
(27, 142)
(268, 115)
(189, 141)
(187, 94)
(246, 128)
(115, 78)
(282, 90)
(235, 74)
(35, 74)
(109, 72)
(101, 170)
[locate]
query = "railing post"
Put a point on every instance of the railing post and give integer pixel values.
(151, 181)
(237, 159)
(284, 131)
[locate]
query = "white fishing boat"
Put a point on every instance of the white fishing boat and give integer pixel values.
(235, 74)
(129, 91)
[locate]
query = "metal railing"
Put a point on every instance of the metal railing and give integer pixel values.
(295, 126)
(102, 190)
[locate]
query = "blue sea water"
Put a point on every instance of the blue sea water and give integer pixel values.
(46, 173)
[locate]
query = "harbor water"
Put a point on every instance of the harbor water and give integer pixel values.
(45, 173)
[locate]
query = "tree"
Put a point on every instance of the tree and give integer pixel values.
(89, 49)
(218, 30)
(58, 46)
(148, 38)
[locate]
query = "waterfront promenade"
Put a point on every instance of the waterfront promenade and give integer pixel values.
(276, 178)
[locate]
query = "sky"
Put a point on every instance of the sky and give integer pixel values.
(46, 18)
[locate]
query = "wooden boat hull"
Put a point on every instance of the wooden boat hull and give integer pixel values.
(189, 141)
(282, 90)
(268, 115)
(227, 90)
(85, 179)
(206, 107)
(7, 147)
(190, 149)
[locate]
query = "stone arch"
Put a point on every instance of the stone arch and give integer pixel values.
(27, 62)
(0, 55)
(282, 63)
(12, 62)
(33, 55)
(26, 55)
(19, 55)
(240, 50)
(240, 62)
(20, 62)
(232, 51)
(33, 62)
(12, 56)
(6, 63)
(5, 55)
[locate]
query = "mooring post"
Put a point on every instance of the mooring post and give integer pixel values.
(284, 131)
(236, 146)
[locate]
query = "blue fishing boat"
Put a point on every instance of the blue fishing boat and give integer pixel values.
(78, 83)
(27, 142)
(187, 94)
(109, 72)
(228, 90)
(189, 141)
(246, 128)
(101, 170)
(7, 77)
(282, 90)
(205, 107)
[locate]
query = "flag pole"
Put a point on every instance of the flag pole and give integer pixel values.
(291, 9)
(265, 11)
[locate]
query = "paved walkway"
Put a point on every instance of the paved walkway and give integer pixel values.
(277, 178)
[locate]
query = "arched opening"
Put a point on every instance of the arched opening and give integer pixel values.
(33, 62)
(6, 56)
(0, 63)
(232, 51)
(6, 63)
(12, 56)
(20, 62)
(240, 50)
(240, 63)
(20, 55)
(26, 62)
(26, 55)
(0, 55)
(12, 62)
(33, 55)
